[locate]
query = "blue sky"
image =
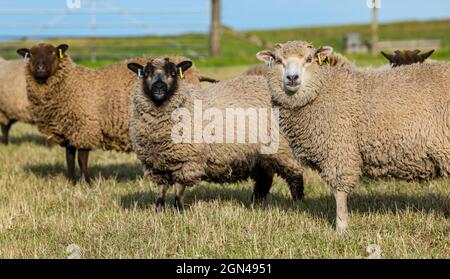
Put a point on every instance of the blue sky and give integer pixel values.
(239, 14)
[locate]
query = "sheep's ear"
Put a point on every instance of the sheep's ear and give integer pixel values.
(426, 54)
(388, 56)
(323, 52)
(136, 68)
(62, 48)
(23, 52)
(185, 65)
(265, 56)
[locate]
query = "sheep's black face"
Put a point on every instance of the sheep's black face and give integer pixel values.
(160, 81)
(160, 78)
(43, 59)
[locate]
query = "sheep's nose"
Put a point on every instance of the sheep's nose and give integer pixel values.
(40, 67)
(159, 85)
(292, 78)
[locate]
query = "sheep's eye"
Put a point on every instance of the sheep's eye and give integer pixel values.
(173, 73)
(278, 61)
(309, 59)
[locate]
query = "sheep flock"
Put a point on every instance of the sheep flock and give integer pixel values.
(304, 107)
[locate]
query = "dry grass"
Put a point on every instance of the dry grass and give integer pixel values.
(41, 214)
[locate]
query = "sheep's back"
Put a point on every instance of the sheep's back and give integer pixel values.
(241, 93)
(405, 124)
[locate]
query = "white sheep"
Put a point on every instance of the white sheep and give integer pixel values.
(348, 123)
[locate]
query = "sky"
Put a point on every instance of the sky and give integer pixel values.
(20, 18)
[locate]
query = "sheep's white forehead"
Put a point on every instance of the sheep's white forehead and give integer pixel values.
(295, 48)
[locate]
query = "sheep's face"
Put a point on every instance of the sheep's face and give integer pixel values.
(293, 62)
(160, 77)
(406, 57)
(43, 59)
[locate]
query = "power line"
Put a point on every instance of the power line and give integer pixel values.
(103, 11)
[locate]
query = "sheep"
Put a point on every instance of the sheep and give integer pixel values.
(256, 70)
(167, 162)
(406, 57)
(335, 60)
(347, 123)
(80, 108)
(14, 105)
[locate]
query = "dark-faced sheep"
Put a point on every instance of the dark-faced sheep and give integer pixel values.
(406, 57)
(81, 108)
(161, 92)
(348, 123)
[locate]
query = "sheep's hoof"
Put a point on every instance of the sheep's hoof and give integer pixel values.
(160, 205)
(257, 198)
(72, 180)
(297, 196)
(178, 206)
(85, 181)
(159, 208)
(342, 228)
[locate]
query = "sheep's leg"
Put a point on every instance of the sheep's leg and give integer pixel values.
(83, 158)
(161, 200)
(70, 159)
(179, 197)
(341, 212)
(292, 173)
(263, 178)
(342, 171)
(289, 169)
(5, 132)
(342, 185)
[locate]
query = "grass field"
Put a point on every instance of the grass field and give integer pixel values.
(41, 213)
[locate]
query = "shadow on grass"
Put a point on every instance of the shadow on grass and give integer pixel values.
(321, 206)
(120, 171)
(28, 138)
(381, 203)
(146, 199)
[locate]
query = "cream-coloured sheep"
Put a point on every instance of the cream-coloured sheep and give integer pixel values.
(161, 93)
(14, 105)
(349, 123)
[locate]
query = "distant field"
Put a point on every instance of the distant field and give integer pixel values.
(237, 50)
(41, 214)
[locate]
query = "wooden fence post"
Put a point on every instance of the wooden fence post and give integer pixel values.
(214, 36)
